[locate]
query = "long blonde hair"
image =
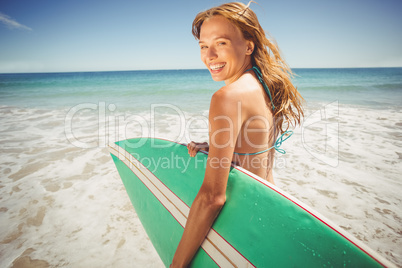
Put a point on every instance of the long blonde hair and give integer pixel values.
(275, 72)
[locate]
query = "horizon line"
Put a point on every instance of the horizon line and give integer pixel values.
(182, 69)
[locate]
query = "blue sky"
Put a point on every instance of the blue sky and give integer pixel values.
(89, 35)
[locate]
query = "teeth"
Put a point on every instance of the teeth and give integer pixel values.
(217, 66)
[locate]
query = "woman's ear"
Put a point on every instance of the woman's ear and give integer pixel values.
(250, 48)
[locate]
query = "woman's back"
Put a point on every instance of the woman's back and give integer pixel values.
(256, 133)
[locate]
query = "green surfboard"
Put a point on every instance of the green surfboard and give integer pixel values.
(259, 225)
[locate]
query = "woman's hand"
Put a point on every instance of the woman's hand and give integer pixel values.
(194, 147)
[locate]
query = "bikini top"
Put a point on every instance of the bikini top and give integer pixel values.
(282, 137)
(276, 145)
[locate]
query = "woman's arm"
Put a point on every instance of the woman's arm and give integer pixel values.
(224, 129)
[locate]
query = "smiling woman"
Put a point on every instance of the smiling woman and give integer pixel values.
(222, 49)
(245, 116)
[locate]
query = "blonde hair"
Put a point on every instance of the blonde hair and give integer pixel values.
(266, 56)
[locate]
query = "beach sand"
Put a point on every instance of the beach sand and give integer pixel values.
(65, 206)
(61, 205)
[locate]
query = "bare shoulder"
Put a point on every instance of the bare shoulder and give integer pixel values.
(220, 95)
(224, 101)
(229, 93)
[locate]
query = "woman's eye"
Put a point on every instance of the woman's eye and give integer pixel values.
(203, 47)
(221, 43)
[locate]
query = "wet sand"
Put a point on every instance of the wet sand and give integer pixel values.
(65, 206)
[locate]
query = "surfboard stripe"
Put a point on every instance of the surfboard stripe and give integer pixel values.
(177, 208)
(221, 251)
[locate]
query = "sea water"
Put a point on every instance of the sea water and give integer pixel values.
(63, 204)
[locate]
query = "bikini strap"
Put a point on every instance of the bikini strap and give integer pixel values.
(280, 140)
(277, 144)
(259, 76)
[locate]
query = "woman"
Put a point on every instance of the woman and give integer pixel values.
(245, 115)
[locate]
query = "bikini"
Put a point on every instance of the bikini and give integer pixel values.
(282, 137)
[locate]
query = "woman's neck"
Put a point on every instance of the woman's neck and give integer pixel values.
(238, 74)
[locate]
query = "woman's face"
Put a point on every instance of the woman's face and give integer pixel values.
(224, 50)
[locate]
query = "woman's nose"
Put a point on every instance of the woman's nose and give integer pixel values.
(211, 53)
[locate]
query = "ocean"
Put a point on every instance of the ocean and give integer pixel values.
(62, 203)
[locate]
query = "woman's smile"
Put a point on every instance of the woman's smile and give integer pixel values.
(216, 67)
